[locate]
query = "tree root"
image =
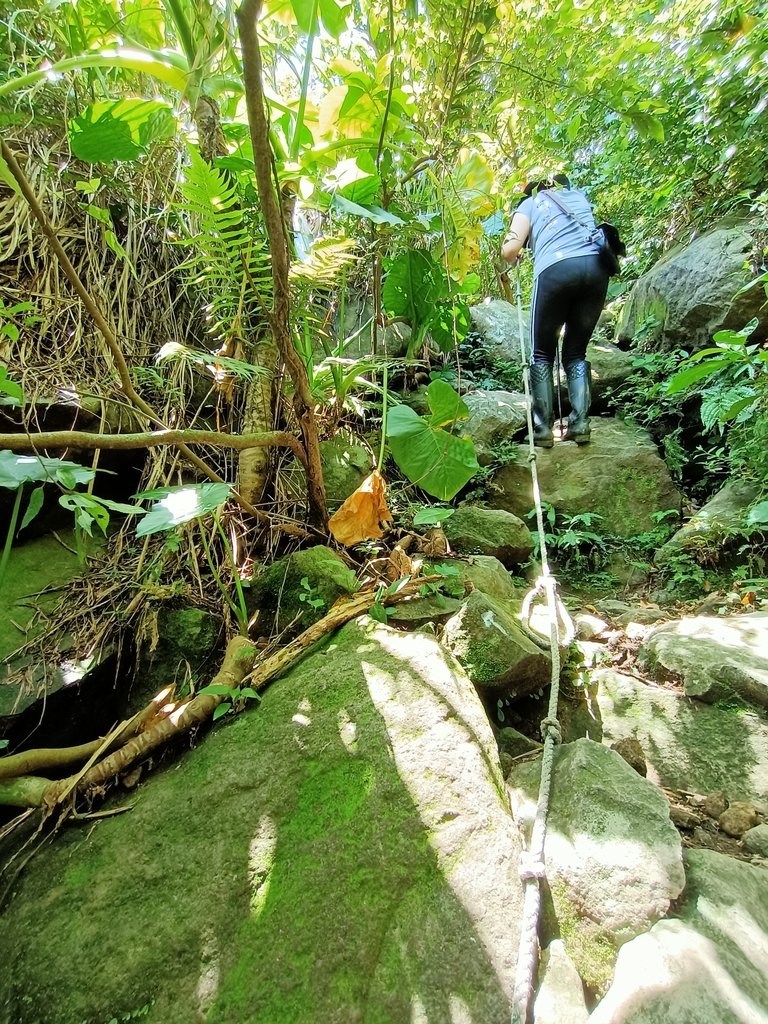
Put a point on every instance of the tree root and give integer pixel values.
(238, 668)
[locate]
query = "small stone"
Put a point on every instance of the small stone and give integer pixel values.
(756, 840)
(629, 748)
(683, 818)
(589, 627)
(716, 804)
(738, 819)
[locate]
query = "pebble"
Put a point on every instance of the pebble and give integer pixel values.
(683, 818)
(715, 804)
(738, 819)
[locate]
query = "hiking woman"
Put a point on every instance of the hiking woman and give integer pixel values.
(570, 284)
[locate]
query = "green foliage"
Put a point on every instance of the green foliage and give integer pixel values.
(111, 130)
(228, 256)
(418, 289)
(431, 516)
(237, 698)
(308, 594)
(12, 319)
(570, 539)
(176, 505)
(434, 458)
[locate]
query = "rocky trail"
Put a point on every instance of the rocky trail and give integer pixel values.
(349, 849)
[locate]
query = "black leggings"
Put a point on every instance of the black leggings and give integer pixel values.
(570, 293)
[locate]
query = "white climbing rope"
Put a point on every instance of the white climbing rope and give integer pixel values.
(532, 868)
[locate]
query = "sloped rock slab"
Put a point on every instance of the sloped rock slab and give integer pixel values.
(692, 292)
(343, 853)
(715, 657)
(709, 967)
(611, 850)
(726, 511)
(492, 648)
(688, 746)
(618, 475)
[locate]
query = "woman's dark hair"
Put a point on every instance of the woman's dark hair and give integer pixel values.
(539, 186)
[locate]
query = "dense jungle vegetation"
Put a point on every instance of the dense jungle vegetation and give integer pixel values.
(216, 219)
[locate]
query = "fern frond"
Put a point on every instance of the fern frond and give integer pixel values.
(328, 259)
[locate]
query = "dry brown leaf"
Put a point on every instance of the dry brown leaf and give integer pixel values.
(434, 543)
(361, 515)
(399, 565)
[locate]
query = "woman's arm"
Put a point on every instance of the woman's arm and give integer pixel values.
(514, 240)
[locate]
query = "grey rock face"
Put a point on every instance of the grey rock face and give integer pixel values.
(725, 511)
(498, 325)
(709, 967)
(756, 840)
(494, 416)
(688, 745)
(345, 852)
(618, 475)
(690, 293)
(611, 851)
(714, 657)
(489, 531)
(492, 648)
(611, 366)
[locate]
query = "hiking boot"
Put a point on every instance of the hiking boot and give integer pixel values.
(579, 380)
(542, 404)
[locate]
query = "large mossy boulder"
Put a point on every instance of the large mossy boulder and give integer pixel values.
(618, 475)
(285, 602)
(489, 531)
(345, 852)
(707, 966)
(481, 572)
(692, 292)
(346, 463)
(178, 649)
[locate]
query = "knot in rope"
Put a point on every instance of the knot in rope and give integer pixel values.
(532, 456)
(550, 729)
(532, 867)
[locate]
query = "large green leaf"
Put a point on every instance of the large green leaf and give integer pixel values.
(334, 15)
(438, 462)
(16, 470)
(413, 285)
(450, 323)
(373, 213)
(180, 505)
(111, 130)
(446, 405)
(165, 67)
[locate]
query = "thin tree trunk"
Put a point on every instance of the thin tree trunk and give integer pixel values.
(280, 316)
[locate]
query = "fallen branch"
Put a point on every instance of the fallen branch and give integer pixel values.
(29, 761)
(150, 439)
(237, 669)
